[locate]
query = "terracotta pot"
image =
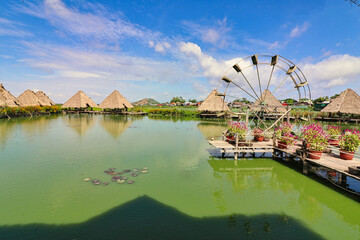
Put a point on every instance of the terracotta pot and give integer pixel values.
(259, 138)
(282, 145)
(312, 154)
(345, 155)
(333, 142)
(230, 138)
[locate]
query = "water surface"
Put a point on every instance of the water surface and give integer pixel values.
(186, 193)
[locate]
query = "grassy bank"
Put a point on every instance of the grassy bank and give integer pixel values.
(9, 112)
(176, 111)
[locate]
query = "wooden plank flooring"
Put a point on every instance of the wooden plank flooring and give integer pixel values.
(328, 160)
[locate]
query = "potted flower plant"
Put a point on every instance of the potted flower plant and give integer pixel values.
(316, 138)
(258, 135)
(284, 136)
(237, 128)
(334, 133)
(349, 143)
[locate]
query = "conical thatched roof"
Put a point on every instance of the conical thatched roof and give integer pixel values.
(347, 102)
(115, 101)
(29, 98)
(44, 99)
(214, 103)
(268, 99)
(79, 100)
(7, 99)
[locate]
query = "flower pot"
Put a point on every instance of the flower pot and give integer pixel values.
(282, 145)
(259, 138)
(345, 155)
(333, 142)
(230, 138)
(312, 154)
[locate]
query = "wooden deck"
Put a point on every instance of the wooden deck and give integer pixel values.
(330, 160)
(248, 147)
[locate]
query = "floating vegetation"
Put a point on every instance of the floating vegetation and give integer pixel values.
(116, 176)
(96, 182)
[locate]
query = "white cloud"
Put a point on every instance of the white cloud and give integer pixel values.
(99, 23)
(160, 47)
(299, 29)
(334, 71)
(212, 69)
(11, 28)
(216, 34)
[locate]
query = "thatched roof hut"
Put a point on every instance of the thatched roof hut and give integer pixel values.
(214, 103)
(115, 101)
(7, 99)
(268, 99)
(79, 100)
(44, 99)
(348, 102)
(29, 98)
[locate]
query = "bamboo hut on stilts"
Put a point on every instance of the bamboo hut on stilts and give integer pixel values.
(116, 102)
(347, 103)
(213, 104)
(79, 102)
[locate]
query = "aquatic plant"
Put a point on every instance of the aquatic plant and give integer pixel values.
(315, 135)
(350, 140)
(238, 127)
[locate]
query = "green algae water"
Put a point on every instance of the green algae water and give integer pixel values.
(186, 193)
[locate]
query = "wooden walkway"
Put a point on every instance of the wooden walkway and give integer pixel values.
(331, 160)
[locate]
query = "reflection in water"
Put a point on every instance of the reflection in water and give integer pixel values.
(6, 129)
(79, 123)
(242, 172)
(115, 125)
(211, 130)
(35, 125)
(262, 177)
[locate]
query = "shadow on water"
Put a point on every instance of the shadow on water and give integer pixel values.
(146, 218)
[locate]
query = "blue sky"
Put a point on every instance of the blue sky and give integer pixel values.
(162, 49)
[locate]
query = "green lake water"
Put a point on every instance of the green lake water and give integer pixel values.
(186, 194)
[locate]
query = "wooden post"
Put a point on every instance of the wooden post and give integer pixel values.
(288, 115)
(343, 180)
(247, 117)
(236, 146)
